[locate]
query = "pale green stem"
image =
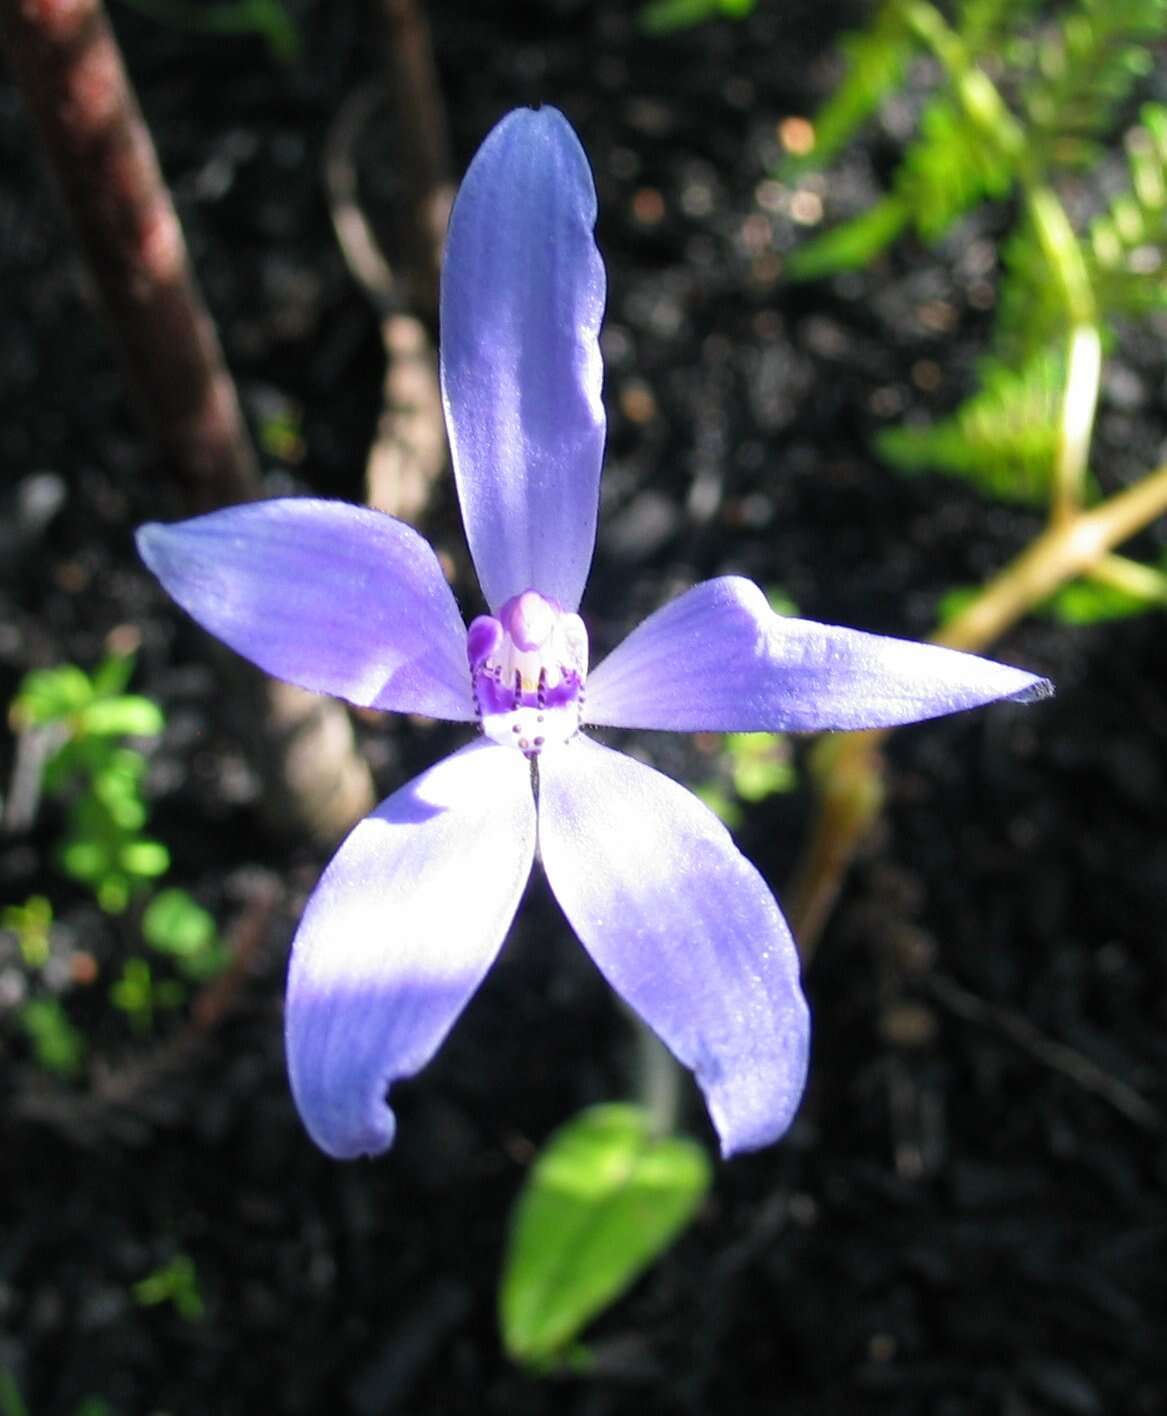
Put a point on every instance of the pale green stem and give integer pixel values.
(1076, 426)
(659, 1078)
(1143, 582)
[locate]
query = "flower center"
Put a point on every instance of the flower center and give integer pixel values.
(528, 668)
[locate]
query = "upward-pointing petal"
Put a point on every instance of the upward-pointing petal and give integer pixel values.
(522, 298)
(335, 598)
(398, 935)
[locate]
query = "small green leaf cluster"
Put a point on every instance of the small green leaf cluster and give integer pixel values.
(176, 1283)
(74, 725)
(601, 1202)
(751, 767)
(85, 717)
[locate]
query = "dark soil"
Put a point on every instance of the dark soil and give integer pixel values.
(969, 1214)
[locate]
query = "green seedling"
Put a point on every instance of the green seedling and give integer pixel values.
(57, 1045)
(177, 1283)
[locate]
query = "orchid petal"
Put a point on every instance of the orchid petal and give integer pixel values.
(397, 936)
(718, 659)
(522, 298)
(335, 598)
(683, 927)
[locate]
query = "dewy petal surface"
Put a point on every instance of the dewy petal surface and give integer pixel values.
(718, 659)
(336, 598)
(397, 936)
(683, 927)
(522, 299)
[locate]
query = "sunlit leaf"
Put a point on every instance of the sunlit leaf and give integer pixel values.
(666, 16)
(129, 716)
(50, 695)
(177, 925)
(56, 1043)
(1087, 602)
(603, 1199)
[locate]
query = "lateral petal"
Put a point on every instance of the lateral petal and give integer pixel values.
(398, 935)
(683, 927)
(336, 598)
(522, 298)
(718, 659)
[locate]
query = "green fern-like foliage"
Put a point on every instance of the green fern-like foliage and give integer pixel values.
(1022, 98)
(1127, 247)
(949, 168)
(1031, 313)
(1085, 69)
(1002, 439)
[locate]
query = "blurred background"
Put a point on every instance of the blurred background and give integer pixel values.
(969, 1214)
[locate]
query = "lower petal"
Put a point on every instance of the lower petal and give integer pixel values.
(683, 927)
(398, 934)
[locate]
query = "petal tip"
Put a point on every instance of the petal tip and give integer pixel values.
(372, 1139)
(1033, 691)
(148, 538)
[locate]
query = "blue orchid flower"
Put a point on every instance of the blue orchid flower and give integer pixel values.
(414, 907)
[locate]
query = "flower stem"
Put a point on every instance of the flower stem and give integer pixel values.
(658, 1078)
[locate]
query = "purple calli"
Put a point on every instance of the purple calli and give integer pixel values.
(413, 909)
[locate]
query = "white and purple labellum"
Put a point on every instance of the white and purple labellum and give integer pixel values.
(528, 669)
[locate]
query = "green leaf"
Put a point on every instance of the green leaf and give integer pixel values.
(1127, 251)
(144, 858)
(1087, 602)
(954, 603)
(851, 245)
(32, 923)
(85, 859)
(603, 1199)
(953, 163)
(113, 674)
(50, 695)
(177, 1283)
(113, 893)
(175, 924)
(129, 716)
(719, 801)
(58, 1046)
(761, 765)
(667, 16)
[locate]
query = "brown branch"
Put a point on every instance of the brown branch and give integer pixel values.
(66, 61)
(423, 143)
(409, 453)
